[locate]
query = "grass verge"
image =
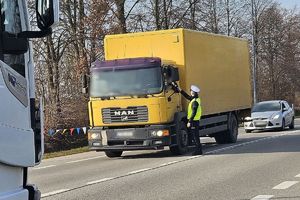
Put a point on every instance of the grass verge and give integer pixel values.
(66, 153)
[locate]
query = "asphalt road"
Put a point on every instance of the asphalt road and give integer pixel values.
(261, 165)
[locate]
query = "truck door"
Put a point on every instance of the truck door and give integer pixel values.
(17, 140)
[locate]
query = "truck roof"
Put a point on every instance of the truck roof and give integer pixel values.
(127, 63)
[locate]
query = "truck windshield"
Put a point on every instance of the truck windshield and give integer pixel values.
(111, 83)
(266, 107)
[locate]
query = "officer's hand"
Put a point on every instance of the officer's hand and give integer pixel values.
(175, 87)
(188, 125)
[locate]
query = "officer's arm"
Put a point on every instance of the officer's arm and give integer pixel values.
(185, 95)
(178, 90)
(195, 106)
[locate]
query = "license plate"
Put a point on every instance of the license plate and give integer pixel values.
(125, 134)
(104, 138)
(260, 123)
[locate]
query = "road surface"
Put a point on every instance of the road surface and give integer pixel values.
(261, 165)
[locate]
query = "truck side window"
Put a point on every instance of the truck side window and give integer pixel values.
(11, 22)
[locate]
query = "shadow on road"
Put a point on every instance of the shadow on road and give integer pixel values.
(288, 143)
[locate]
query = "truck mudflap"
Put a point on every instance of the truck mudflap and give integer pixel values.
(145, 138)
(34, 192)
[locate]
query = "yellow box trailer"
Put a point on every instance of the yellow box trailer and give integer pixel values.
(132, 105)
(218, 64)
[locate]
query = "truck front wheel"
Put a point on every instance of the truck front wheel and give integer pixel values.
(113, 154)
(181, 146)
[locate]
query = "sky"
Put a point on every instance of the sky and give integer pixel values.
(289, 3)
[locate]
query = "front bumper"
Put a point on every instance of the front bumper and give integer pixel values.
(127, 139)
(265, 124)
(29, 192)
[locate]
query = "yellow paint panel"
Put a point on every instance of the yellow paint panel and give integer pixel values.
(156, 109)
(220, 66)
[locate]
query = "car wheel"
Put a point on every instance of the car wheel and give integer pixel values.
(292, 125)
(283, 125)
(248, 131)
(113, 154)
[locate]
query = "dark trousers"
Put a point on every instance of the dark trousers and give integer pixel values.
(194, 132)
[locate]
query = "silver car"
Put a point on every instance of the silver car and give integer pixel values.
(268, 115)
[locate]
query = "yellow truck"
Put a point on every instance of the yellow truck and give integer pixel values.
(132, 105)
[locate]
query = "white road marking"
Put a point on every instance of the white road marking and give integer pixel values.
(297, 176)
(262, 197)
(138, 171)
(76, 161)
(285, 185)
(99, 181)
(44, 167)
(54, 192)
(169, 163)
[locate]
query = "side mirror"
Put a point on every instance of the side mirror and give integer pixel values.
(47, 13)
(14, 45)
(171, 74)
(84, 83)
(284, 109)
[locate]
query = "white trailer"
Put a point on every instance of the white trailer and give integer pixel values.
(21, 137)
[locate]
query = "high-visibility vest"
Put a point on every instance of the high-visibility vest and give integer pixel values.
(199, 110)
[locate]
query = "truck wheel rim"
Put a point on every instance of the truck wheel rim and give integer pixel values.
(234, 128)
(183, 138)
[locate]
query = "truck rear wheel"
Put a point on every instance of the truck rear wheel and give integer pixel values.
(181, 139)
(229, 136)
(113, 154)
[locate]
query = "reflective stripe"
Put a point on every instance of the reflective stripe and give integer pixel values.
(199, 110)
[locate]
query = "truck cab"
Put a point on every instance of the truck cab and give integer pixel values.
(134, 92)
(21, 136)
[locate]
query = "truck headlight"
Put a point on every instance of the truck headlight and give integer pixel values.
(160, 133)
(276, 116)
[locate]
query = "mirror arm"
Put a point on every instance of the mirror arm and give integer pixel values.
(35, 34)
(170, 97)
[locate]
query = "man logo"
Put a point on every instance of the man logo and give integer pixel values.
(124, 118)
(124, 113)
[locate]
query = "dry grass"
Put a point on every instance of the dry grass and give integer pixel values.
(66, 153)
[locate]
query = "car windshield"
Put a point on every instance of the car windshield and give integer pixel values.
(266, 106)
(139, 81)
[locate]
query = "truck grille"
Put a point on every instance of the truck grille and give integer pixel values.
(121, 115)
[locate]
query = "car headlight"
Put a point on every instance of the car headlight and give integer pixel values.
(248, 119)
(95, 136)
(276, 116)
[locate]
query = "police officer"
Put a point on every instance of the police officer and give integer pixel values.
(193, 115)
